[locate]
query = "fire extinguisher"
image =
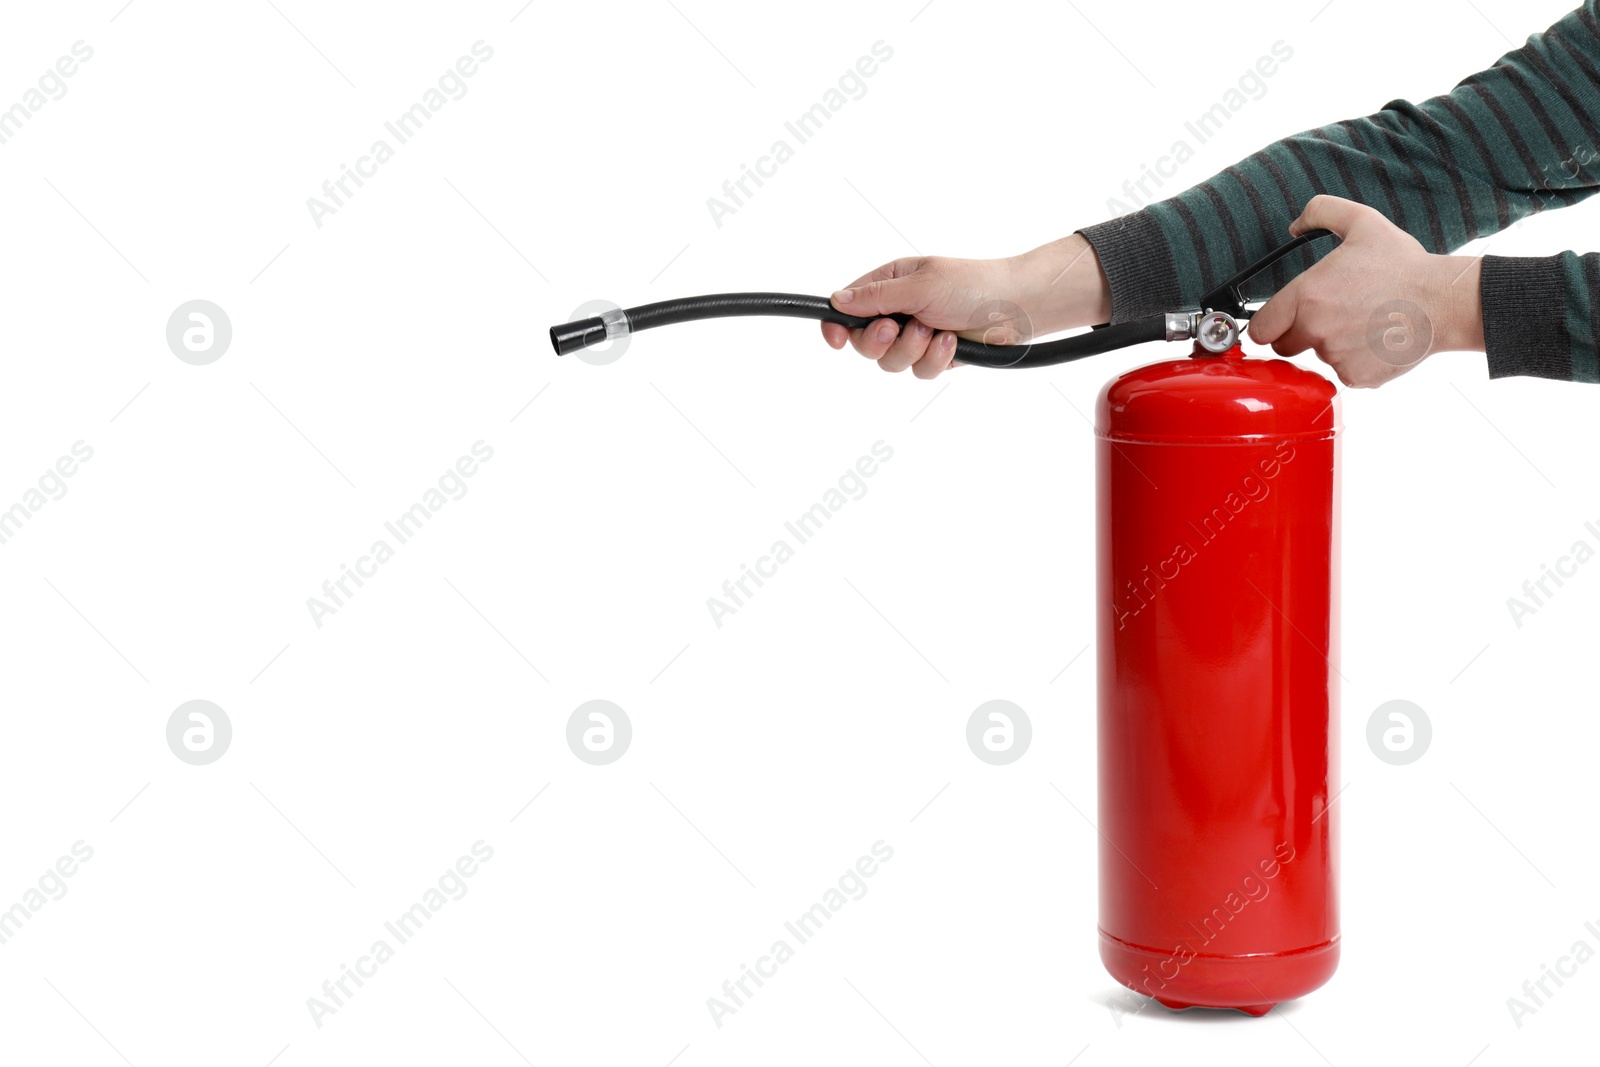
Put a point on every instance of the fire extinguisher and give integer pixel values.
(1217, 552)
(1217, 625)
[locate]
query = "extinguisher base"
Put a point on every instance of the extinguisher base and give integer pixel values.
(1253, 984)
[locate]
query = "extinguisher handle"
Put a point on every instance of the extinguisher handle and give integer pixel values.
(1229, 296)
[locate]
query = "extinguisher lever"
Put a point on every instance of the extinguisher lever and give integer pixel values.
(1229, 296)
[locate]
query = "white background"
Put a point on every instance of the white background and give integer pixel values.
(827, 714)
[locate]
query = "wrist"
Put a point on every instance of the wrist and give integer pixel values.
(1459, 304)
(1062, 285)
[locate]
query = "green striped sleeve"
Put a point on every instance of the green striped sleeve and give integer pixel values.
(1504, 144)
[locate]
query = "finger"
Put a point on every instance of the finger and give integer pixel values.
(837, 336)
(908, 348)
(858, 341)
(1341, 367)
(874, 339)
(1292, 343)
(1324, 212)
(894, 287)
(938, 358)
(1278, 314)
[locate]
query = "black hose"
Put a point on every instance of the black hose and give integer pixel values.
(573, 336)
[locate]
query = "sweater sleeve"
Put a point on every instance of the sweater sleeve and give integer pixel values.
(1504, 144)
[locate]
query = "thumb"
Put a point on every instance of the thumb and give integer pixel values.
(900, 286)
(1324, 212)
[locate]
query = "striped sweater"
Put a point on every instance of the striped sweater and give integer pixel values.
(1504, 144)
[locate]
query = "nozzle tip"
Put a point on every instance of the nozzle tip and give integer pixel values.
(573, 336)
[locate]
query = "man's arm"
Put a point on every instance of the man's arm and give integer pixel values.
(1504, 144)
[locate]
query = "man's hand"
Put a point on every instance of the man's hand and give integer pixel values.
(1377, 305)
(997, 301)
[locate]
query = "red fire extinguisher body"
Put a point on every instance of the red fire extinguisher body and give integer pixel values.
(1218, 698)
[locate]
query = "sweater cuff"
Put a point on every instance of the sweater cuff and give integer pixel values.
(1525, 317)
(1137, 262)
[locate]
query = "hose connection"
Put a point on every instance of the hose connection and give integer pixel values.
(1181, 324)
(616, 323)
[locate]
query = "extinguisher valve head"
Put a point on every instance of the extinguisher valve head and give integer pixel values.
(1180, 325)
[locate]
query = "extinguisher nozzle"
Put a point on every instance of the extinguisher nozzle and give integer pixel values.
(573, 336)
(607, 326)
